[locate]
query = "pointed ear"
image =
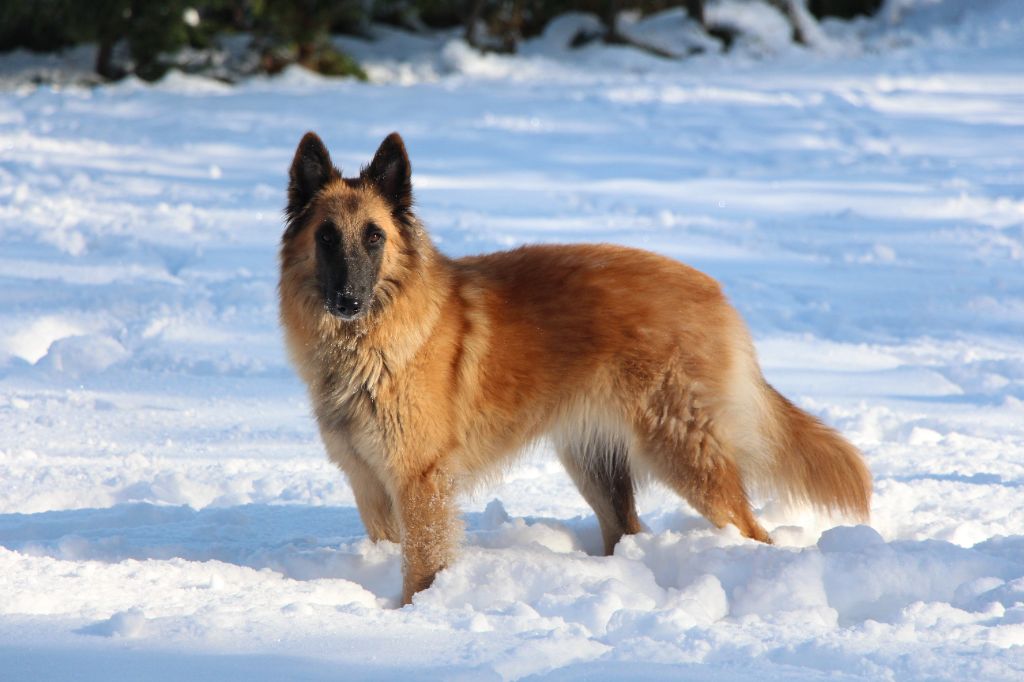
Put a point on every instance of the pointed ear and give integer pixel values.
(311, 170)
(390, 173)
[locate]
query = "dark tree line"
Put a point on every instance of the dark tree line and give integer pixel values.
(137, 36)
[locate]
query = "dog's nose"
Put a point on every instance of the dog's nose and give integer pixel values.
(347, 306)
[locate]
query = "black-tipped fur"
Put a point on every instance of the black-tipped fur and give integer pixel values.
(311, 170)
(601, 472)
(390, 172)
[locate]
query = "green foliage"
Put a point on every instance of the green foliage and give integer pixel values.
(294, 31)
(35, 25)
(303, 22)
(442, 13)
(298, 31)
(152, 30)
(332, 62)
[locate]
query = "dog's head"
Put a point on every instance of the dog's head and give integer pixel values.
(346, 234)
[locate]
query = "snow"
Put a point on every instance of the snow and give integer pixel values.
(166, 509)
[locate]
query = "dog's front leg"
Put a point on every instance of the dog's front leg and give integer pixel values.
(429, 531)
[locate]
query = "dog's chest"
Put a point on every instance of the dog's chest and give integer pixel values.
(355, 396)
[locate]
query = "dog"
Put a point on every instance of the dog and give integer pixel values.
(428, 374)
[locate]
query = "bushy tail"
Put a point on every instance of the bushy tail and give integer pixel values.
(813, 463)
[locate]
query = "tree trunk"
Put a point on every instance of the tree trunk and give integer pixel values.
(844, 9)
(105, 60)
(610, 19)
(695, 8)
(476, 8)
(789, 11)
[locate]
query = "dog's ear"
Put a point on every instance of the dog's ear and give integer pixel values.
(311, 170)
(390, 173)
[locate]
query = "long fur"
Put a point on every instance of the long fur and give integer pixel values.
(636, 365)
(813, 463)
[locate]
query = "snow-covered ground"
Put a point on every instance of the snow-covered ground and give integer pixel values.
(166, 510)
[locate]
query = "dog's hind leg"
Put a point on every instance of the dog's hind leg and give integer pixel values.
(601, 472)
(684, 450)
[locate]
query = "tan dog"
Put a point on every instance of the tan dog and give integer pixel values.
(427, 373)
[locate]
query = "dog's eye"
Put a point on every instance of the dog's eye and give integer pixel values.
(374, 235)
(326, 237)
